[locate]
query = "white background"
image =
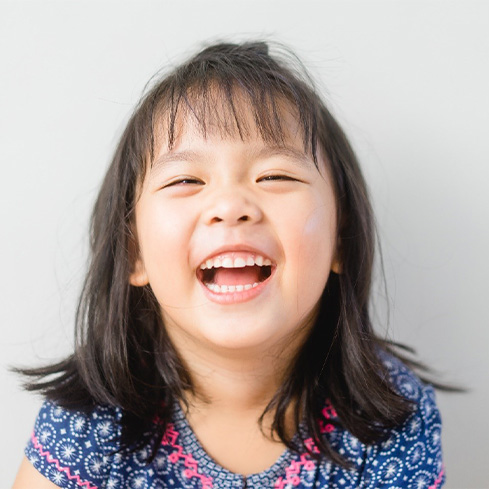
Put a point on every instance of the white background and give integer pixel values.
(408, 81)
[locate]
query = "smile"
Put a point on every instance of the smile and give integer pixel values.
(235, 273)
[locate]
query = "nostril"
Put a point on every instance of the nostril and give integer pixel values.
(240, 219)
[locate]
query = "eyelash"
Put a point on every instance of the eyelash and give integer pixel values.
(271, 178)
(184, 181)
(268, 178)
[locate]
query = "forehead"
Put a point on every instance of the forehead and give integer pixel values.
(218, 119)
(193, 147)
(251, 153)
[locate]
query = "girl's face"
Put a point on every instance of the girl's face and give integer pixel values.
(236, 239)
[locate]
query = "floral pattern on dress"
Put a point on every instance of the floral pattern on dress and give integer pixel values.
(79, 450)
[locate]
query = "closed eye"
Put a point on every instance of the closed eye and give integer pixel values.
(272, 178)
(184, 181)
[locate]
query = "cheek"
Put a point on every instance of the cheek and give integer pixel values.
(318, 235)
(163, 240)
(314, 244)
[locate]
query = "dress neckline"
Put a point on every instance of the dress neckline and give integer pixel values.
(208, 466)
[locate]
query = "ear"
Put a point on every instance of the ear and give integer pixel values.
(336, 266)
(336, 263)
(138, 277)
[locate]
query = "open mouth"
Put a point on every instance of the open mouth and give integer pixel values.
(234, 273)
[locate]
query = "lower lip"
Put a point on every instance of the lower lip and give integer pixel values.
(236, 297)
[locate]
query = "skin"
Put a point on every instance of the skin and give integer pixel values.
(28, 478)
(213, 192)
(208, 194)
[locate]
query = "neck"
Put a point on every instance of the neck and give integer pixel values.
(238, 381)
(234, 382)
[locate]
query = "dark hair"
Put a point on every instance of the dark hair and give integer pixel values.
(123, 355)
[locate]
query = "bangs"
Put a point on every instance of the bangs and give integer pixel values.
(242, 95)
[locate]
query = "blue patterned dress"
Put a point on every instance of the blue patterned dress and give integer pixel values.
(78, 450)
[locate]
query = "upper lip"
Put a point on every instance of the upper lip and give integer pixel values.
(244, 248)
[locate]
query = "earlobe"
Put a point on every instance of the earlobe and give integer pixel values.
(336, 267)
(336, 263)
(139, 277)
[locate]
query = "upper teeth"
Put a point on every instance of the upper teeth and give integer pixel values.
(239, 262)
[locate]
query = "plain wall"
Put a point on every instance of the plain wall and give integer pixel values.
(408, 81)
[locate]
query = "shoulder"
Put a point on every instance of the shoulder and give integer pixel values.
(71, 447)
(411, 454)
(403, 379)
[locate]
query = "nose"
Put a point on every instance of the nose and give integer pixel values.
(232, 208)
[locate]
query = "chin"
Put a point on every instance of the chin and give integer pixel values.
(239, 336)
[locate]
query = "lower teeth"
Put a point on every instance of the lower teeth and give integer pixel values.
(230, 288)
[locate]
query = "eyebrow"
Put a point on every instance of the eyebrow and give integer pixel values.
(294, 155)
(168, 158)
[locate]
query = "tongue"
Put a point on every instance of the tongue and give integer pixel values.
(237, 276)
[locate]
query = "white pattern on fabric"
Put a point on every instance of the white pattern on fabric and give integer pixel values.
(77, 450)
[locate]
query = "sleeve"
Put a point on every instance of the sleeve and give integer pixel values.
(412, 456)
(71, 448)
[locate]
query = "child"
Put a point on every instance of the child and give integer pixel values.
(223, 333)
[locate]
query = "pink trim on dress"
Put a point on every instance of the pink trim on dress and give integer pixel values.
(294, 469)
(66, 470)
(170, 438)
(328, 413)
(438, 480)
